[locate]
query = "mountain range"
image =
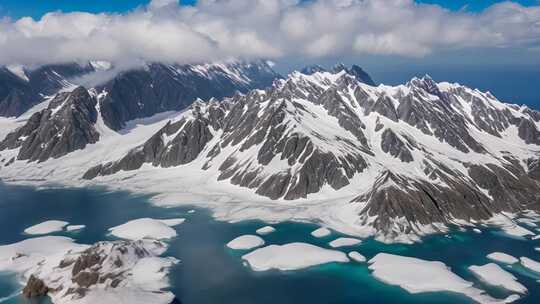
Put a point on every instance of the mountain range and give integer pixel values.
(397, 160)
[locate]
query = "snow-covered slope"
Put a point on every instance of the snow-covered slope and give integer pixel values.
(392, 161)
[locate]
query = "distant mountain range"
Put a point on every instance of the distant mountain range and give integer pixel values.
(410, 159)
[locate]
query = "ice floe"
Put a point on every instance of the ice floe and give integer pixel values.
(321, 232)
(356, 256)
(502, 257)
(344, 242)
(530, 264)
(75, 227)
(494, 275)
(265, 230)
(509, 227)
(146, 228)
(46, 227)
(292, 256)
(245, 242)
(416, 276)
(528, 221)
(173, 222)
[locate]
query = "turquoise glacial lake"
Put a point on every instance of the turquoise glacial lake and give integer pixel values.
(211, 273)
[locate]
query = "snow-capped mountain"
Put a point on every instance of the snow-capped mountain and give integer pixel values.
(396, 161)
(22, 88)
(66, 124)
(158, 87)
(135, 93)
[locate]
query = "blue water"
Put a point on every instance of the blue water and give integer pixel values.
(211, 273)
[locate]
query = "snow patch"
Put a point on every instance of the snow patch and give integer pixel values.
(417, 276)
(356, 256)
(494, 275)
(292, 256)
(75, 227)
(246, 242)
(502, 257)
(530, 264)
(46, 227)
(146, 228)
(265, 230)
(321, 232)
(344, 242)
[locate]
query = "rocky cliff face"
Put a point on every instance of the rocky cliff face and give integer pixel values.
(419, 153)
(20, 88)
(158, 87)
(66, 125)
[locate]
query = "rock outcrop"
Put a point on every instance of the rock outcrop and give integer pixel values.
(66, 125)
(35, 288)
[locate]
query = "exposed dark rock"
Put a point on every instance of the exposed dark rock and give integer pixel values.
(17, 95)
(391, 144)
(357, 72)
(65, 126)
(419, 202)
(87, 260)
(528, 132)
(35, 288)
(86, 279)
(9, 162)
(533, 166)
(158, 88)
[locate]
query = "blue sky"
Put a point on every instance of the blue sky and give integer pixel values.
(473, 5)
(511, 72)
(36, 8)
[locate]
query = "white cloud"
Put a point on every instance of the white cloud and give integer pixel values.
(221, 29)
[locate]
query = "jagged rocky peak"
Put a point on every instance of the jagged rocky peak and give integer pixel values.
(355, 71)
(66, 125)
(312, 69)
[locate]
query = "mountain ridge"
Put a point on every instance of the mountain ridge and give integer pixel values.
(404, 160)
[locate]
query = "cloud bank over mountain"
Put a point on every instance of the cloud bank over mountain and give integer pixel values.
(221, 29)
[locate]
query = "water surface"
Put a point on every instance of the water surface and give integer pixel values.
(211, 273)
